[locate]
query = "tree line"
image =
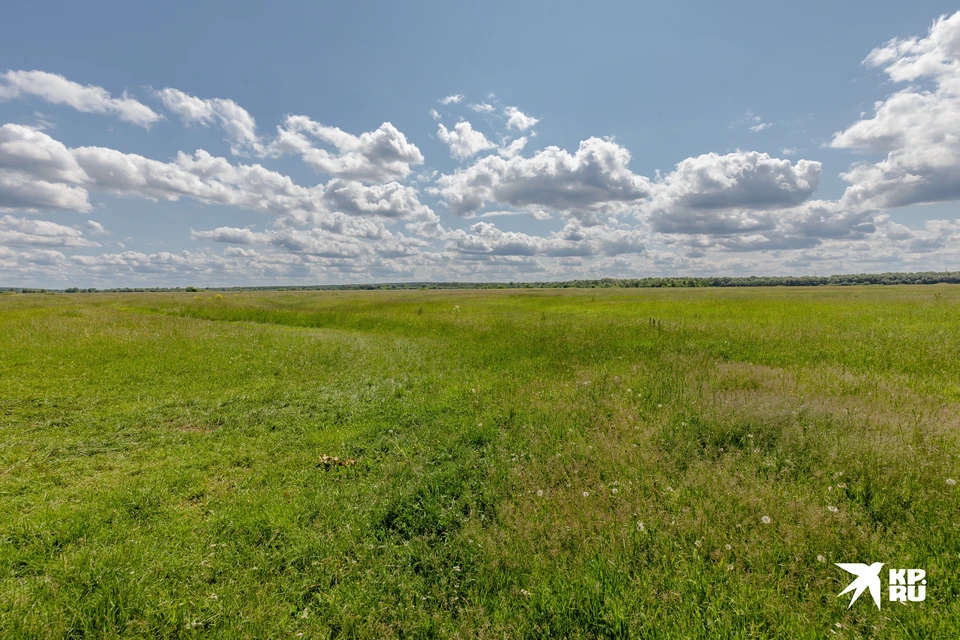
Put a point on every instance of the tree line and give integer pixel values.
(927, 277)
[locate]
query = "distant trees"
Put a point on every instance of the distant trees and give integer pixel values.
(928, 277)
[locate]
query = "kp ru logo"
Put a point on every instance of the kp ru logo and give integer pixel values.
(905, 584)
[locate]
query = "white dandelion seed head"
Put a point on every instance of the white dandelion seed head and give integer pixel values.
(766, 520)
(586, 493)
(727, 547)
(820, 558)
(540, 492)
(640, 527)
(614, 491)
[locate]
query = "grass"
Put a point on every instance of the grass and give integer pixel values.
(534, 463)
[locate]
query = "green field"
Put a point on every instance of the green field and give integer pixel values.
(529, 463)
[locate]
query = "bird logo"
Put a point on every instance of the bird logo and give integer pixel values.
(868, 577)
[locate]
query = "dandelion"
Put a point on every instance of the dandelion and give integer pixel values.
(640, 527)
(951, 481)
(659, 406)
(614, 491)
(832, 509)
(820, 558)
(540, 493)
(524, 593)
(728, 547)
(765, 520)
(586, 493)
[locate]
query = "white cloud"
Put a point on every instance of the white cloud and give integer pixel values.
(239, 125)
(573, 240)
(95, 228)
(483, 107)
(757, 128)
(452, 99)
(518, 120)
(56, 89)
(464, 141)
(434, 114)
(917, 128)
(789, 151)
(375, 156)
(514, 148)
(38, 172)
(29, 232)
(592, 180)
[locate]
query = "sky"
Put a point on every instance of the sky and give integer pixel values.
(230, 144)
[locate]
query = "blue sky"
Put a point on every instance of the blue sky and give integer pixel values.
(226, 144)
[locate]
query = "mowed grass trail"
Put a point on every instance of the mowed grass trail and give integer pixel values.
(529, 463)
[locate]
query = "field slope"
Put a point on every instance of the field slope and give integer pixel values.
(527, 463)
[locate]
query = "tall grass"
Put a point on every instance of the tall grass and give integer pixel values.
(615, 463)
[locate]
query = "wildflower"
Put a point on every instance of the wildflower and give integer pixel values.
(697, 544)
(727, 547)
(832, 509)
(670, 489)
(586, 493)
(640, 527)
(540, 492)
(614, 491)
(821, 558)
(951, 481)
(659, 406)
(525, 593)
(765, 520)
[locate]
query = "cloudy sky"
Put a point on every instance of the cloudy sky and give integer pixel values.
(374, 142)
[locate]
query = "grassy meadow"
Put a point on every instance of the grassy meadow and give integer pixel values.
(515, 464)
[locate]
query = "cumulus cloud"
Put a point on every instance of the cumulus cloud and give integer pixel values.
(464, 141)
(513, 148)
(237, 123)
(95, 228)
(918, 128)
(38, 172)
(485, 238)
(375, 156)
(29, 232)
(483, 107)
(452, 99)
(518, 120)
(730, 193)
(56, 89)
(592, 180)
